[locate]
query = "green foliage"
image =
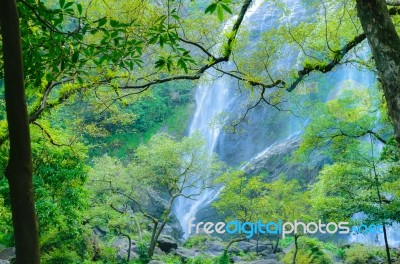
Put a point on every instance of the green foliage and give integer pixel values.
(166, 107)
(202, 259)
(357, 254)
(224, 258)
(5, 224)
(347, 129)
(285, 242)
(196, 241)
(311, 251)
(61, 255)
(59, 177)
(143, 252)
(220, 6)
(123, 196)
(170, 259)
(245, 194)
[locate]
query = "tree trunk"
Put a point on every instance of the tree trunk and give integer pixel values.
(231, 242)
(153, 240)
(385, 45)
(276, 244)
(296, 248)
(386, 244)
(128, 258)
(19, 168)
(157, 231)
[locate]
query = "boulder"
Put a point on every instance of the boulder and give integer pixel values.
(156, 262)
(167, 243)
(245, 246)
(261, 247)
(214, 247)
(235, 259)
(122, 244)
(186, 253)
(7, 253)
(158, 251)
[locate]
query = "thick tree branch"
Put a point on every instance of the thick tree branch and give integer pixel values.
(329, 66)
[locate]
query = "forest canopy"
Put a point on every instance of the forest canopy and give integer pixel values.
(120, 120)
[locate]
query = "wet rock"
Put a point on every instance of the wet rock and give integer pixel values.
(235, 259)
(167, 243)
(245, 246)
(214, 247)
(7, 253)
(275, 161)
(262, 247)
(186, 253)
(158, 251)
(122, 245)
(156, 262)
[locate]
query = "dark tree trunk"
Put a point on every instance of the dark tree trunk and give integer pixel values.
(19, 168)
(385, 45)
(296, 249)
(128, 258)
(386, 245)
(276, 245)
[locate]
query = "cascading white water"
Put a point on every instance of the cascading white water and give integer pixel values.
(211, 100)
(214, 98)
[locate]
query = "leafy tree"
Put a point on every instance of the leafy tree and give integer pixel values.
(164, 166)
(19, 168)
(360, 178)
(59, 176)
(65, 45)
(242, 198)
(286, 201)
(250, 199)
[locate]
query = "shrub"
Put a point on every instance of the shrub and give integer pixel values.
(196, 241)
(142, 249)
(202, 260)
(311, 251)
(357, 254)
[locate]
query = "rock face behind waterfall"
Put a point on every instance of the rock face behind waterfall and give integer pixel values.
(278, 160)
(275, 162)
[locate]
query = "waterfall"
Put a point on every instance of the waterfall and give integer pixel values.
(216, 98)
(211, 100)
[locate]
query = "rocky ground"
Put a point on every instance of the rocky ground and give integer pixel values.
(241, 252)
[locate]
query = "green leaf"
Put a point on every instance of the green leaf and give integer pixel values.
(220, 13)
(62, 3)
(79, 6)
(75, 57)
(114, 23)
(102, 21)
(227, 9)
(211, 8)
(183, 65)
(68, 5)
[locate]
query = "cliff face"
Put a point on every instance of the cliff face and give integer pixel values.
(278, 160)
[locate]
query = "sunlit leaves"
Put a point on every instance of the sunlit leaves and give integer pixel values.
(219, 6)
